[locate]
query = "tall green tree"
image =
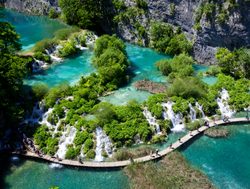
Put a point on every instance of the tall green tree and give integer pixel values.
(83, 13)
(9, 39)
(12, 71)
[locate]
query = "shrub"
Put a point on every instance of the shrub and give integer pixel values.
(90, 154)
(39, 91)
(42, 57)
(72, 152)
(44, 44)
(53, 13)
(65, 33)
(68, 49)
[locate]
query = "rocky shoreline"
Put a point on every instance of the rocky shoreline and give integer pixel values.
(150, 86)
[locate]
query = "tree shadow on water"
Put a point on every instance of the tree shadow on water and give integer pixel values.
(8, 163)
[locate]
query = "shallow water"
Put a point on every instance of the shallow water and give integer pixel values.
(30, 174)
(225, 160)
(31, 28)
(69, 71)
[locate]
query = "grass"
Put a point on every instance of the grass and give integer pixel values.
(171, 172)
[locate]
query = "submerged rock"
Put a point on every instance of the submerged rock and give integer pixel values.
(150, 86)
(217, 132)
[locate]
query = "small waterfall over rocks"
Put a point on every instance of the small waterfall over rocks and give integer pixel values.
(102, 143)
(200, 108)
(176, 119)
(152, 121)
(192, 112)
(38, 65)
(66, 139)
(53, 53)
(222, 102)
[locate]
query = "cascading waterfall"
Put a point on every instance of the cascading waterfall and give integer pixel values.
(102, 143)
(176, 119)
(38, 65)
(152, 120)
(66, 139)
(222, 102)
(200, 108)
(192, 112)
(53, 53)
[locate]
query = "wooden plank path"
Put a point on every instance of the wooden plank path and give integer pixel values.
(117, 164)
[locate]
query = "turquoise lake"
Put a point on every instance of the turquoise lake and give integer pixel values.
(31, 28)
(225, 161)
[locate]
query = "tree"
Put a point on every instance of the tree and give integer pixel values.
(83, 13)
(9, 39)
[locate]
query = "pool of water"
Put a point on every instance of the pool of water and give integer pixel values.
(31, 28)
(69, 71)
(225, 160)
(28, 174)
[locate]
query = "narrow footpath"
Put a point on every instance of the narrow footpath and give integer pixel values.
(116, 164)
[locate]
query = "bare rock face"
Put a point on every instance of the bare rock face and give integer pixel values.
(39, 7)
(234, 33)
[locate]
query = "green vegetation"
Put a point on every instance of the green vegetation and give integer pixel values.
(111, 61)
(164, 38)
(172, 172)
(53, 13)
(13, 69)
(85, 14)
(236, 63)
(179, 66)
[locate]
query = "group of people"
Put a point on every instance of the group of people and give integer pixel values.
(30, 145)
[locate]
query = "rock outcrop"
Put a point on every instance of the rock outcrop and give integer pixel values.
(38, 7)
(207, 34)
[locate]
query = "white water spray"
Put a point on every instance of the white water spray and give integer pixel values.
(152, 121)
(102, 143)
(176, 119)
(222, 102)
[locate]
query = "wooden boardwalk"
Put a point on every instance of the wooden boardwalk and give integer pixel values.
(117, 164)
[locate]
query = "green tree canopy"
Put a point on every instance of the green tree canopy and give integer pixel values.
(9, 39)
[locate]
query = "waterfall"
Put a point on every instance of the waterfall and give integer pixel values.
(222, 102)
(192, 112)
(152, 120)
(81, 47)
(200, 108)
(52, 53)
(102, 143)
(176, 119)
(66, 139)
(45, 118)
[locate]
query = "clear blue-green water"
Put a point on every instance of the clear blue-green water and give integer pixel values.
(28, 174)
(225, 160)
(31, 28)
(68, 71)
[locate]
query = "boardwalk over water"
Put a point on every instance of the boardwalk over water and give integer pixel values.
(116, 164)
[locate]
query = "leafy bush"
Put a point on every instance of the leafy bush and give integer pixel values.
(42, 57)
(88, 144)
(44, 44)
(164, 39)
(65, 33)
(68, 49)
(39, 91)
(72, 152)
(179, 66)
(81, 137)
(53, 13)
(90, 154)
(189, 87)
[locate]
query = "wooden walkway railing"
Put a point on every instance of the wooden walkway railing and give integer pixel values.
(115, 164)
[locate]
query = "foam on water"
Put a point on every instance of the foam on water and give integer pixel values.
(176, 119)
